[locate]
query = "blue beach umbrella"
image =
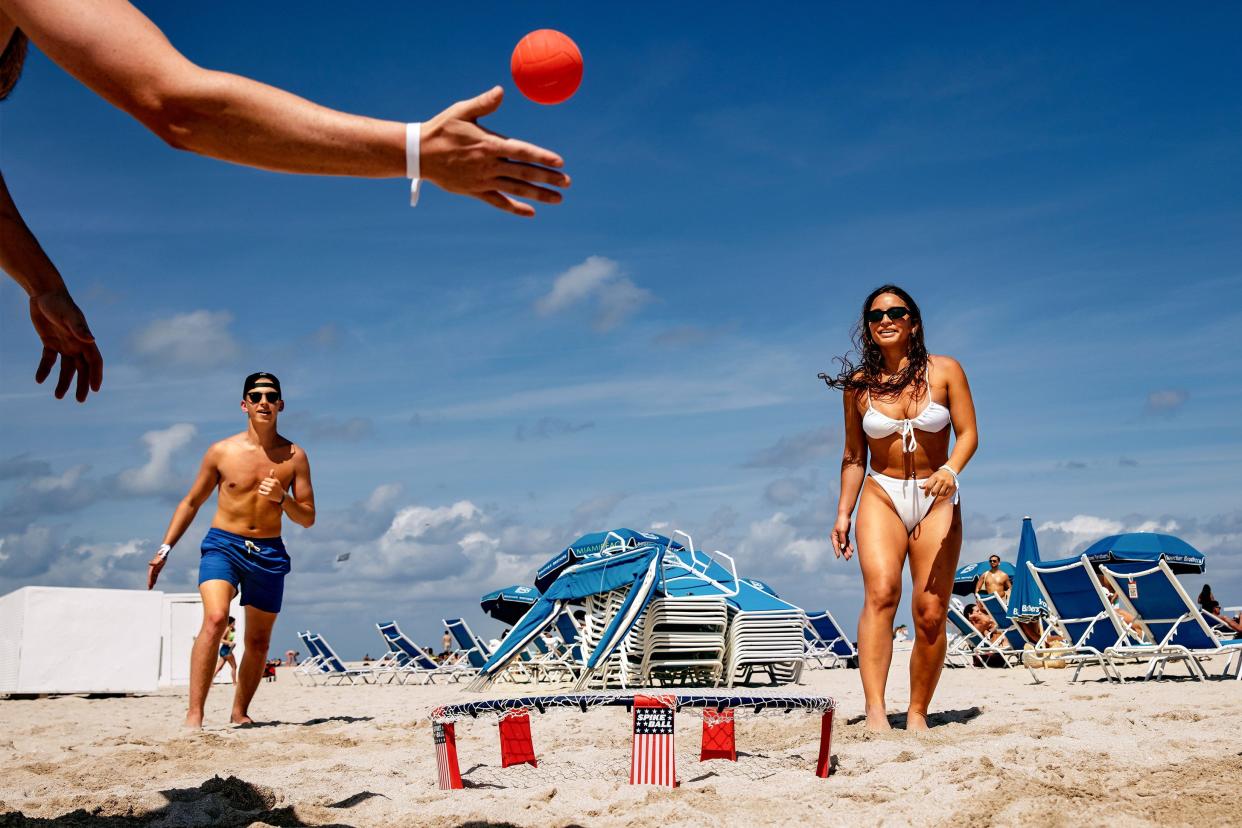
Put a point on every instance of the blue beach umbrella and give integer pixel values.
(964, 579)
(508, 605)
(1025, 600)
(1143, 548)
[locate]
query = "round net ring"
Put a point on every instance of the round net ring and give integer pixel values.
(653, 759)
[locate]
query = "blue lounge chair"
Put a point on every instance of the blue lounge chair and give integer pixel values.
(308, 667)
(1015, 641)
(409, 659)
(332, 669)
(826, 640)
(971, 647)
(1079, 611)
(1177, 627)
(570, 638)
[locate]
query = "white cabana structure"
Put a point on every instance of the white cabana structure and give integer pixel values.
(73, 640)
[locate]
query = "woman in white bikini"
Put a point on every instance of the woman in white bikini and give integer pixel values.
(899, 402)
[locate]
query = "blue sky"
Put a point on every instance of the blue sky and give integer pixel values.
(1058, 188)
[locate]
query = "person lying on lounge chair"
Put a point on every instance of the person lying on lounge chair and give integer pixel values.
(1235, 624)
(984, 623)
(1124, 614)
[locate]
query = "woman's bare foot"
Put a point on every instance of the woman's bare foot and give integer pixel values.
(877, 720)
(916, 721)
(241, 719)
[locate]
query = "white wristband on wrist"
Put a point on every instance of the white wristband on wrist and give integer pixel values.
(163, 552)
(412, 137)
(957, 486)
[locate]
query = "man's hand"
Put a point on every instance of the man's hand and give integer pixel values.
(271, 489)
(156, 565)
(462, 157)
(65, 334)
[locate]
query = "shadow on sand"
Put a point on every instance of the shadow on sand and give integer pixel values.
(223, 802)
(943, 717)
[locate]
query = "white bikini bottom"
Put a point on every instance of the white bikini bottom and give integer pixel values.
(908, 498)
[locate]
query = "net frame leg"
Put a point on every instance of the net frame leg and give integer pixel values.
(823, 766)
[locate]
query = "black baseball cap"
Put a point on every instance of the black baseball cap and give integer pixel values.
(261, 379)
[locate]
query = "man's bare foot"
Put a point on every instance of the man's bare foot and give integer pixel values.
(916, 721)
(193, 721)
(877, 720)
(241, 719)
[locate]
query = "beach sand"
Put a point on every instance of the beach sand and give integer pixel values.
(1003, 751)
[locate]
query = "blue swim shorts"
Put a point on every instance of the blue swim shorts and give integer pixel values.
(255, 566)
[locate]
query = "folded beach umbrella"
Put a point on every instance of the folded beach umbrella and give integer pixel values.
(760, 585)
(637, 569)
(1143, 548)
(508, 605)
(1025, 600)
(964, 580)
(592, 545)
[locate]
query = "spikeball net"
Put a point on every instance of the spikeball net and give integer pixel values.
(656, 748)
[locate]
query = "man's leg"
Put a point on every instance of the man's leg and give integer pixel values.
(216, 595)
(258, 638)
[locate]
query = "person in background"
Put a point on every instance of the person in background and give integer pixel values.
(228, 643)
(901, 634)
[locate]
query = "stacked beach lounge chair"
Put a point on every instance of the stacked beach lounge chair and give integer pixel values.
(765, 634)
(683, 641)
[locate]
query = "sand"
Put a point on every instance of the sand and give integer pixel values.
(1002, 751)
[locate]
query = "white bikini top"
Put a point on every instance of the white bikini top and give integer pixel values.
(934, 417)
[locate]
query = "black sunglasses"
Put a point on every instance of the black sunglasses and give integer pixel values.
(894, 314)
(258, 396)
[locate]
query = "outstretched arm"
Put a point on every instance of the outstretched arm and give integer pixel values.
(853, 474)
(57, 319)
(119, 53)
(208, 478)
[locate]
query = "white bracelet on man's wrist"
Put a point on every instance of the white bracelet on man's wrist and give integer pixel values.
(413, 134)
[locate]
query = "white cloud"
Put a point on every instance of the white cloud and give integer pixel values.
(65, 481)
(195, 339)
(600, 279)
(1062, 538)
(1166, 400)
(802, 449)
(157, 476)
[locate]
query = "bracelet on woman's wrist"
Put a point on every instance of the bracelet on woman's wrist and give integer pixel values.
(957, 485)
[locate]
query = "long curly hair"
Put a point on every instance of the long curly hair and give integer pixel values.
(11, 62)
(866, 373)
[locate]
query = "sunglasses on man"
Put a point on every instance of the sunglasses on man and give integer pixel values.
(894, 314)
(256, 397)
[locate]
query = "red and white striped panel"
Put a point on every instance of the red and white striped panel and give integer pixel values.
(446, 756)
(654, 760)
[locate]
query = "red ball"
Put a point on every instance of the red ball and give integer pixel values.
(546, 66)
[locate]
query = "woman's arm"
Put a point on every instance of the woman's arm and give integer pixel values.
(965, 431)
(962, 412)
(113, 48)
(853, 472)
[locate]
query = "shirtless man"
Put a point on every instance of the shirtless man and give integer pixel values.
(260, 476)
(994, 580)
